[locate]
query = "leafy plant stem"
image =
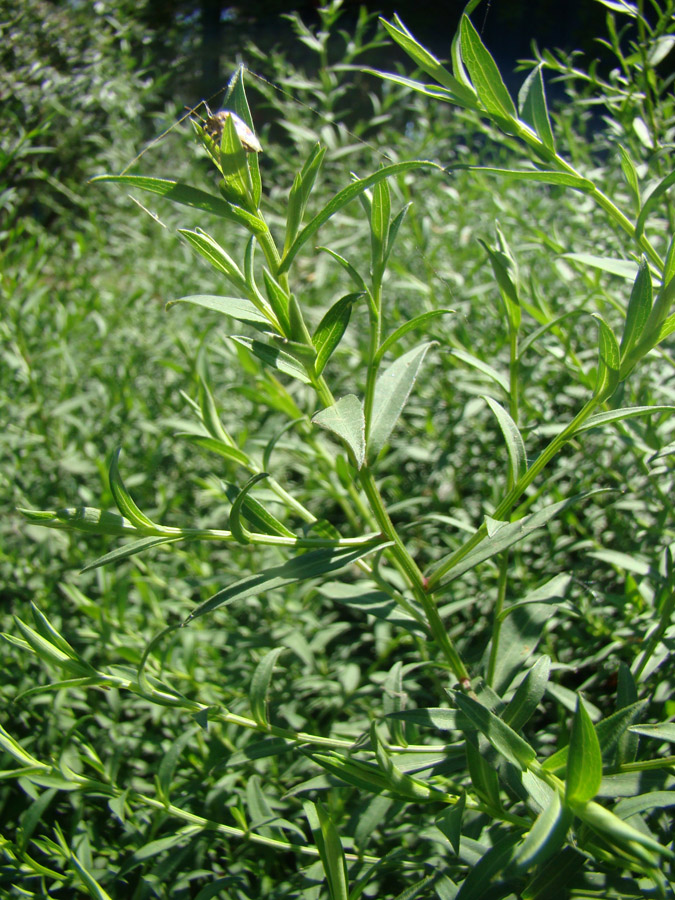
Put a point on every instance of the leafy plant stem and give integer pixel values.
(497, 616)
(373, 365)
(656, 635)
(506, 505)
(409, 568)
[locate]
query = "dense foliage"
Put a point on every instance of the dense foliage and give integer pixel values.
(377, 596)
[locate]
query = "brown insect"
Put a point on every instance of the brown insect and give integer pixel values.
(215, 123)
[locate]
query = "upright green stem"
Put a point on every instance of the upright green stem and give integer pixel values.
(506, 506)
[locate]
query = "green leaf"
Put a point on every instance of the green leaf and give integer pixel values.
(279, 300)
(484, 73)
(528, 694)
(622, 267)
(607, 378)
(652, 202)
(609, 825)
(331, 328)
(123, 499)
(211, 250)
(260, 684)
(345, 419)
(664, 731)
(492, 864)
(484, 778)
(556, 877)
(236, 186)
(367, 599)
(235, 99)
(81, 518)
(503, 738)
(563, 179)
(533, 108)
(275, 358)
(630, 174)
(584, 760)
(345, 196)
(260, 518)
(349, 269)
(167, 766)
(398, 782)
(300, 568)
(483, 367)
(236, 307)
(449, 822)
(330, 850)
(546, 836)
(514, 441)
(189, 196)
(462, 94)
(380, 215)
(411, 325)
(618, 415)
(639, 308)
(392, 390)
(609, 732)
(300, 192)
(127, 550)
(210, 415)
(215, 446)
(502, 535)
(236, 526)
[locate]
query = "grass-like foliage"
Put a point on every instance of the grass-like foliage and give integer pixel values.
(382, 604)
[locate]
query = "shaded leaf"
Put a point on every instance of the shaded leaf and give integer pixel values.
(392, 390)
(345, 419)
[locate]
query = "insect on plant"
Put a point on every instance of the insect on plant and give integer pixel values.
(215, 122)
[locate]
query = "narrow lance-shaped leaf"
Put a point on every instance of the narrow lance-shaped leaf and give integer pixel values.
(238, 308)
(652, 202)
(528, 694)
(345, 196)
(484, 74)
(275, 358)
(300, 568)
(607, 378)
(189, 196)
(211, 250)
(380, 214)
(236, 526)
(330, 850)
(123, 499)
(411, 325)
(260, 684)
(584, 760)
(462, 94)
(345, 419)
(299, 195)
(236, 100)
(503, 738)
(331, 328)
(513, 438)
(236, 185)
(260, 518)
(533, 108)
(639, 308)
(119, 554)
(546, 836)
(502, 535)
(392, 390)
(81, 518)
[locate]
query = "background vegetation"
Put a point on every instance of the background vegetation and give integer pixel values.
(309, 740)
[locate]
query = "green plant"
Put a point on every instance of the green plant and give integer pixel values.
(505, 805)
